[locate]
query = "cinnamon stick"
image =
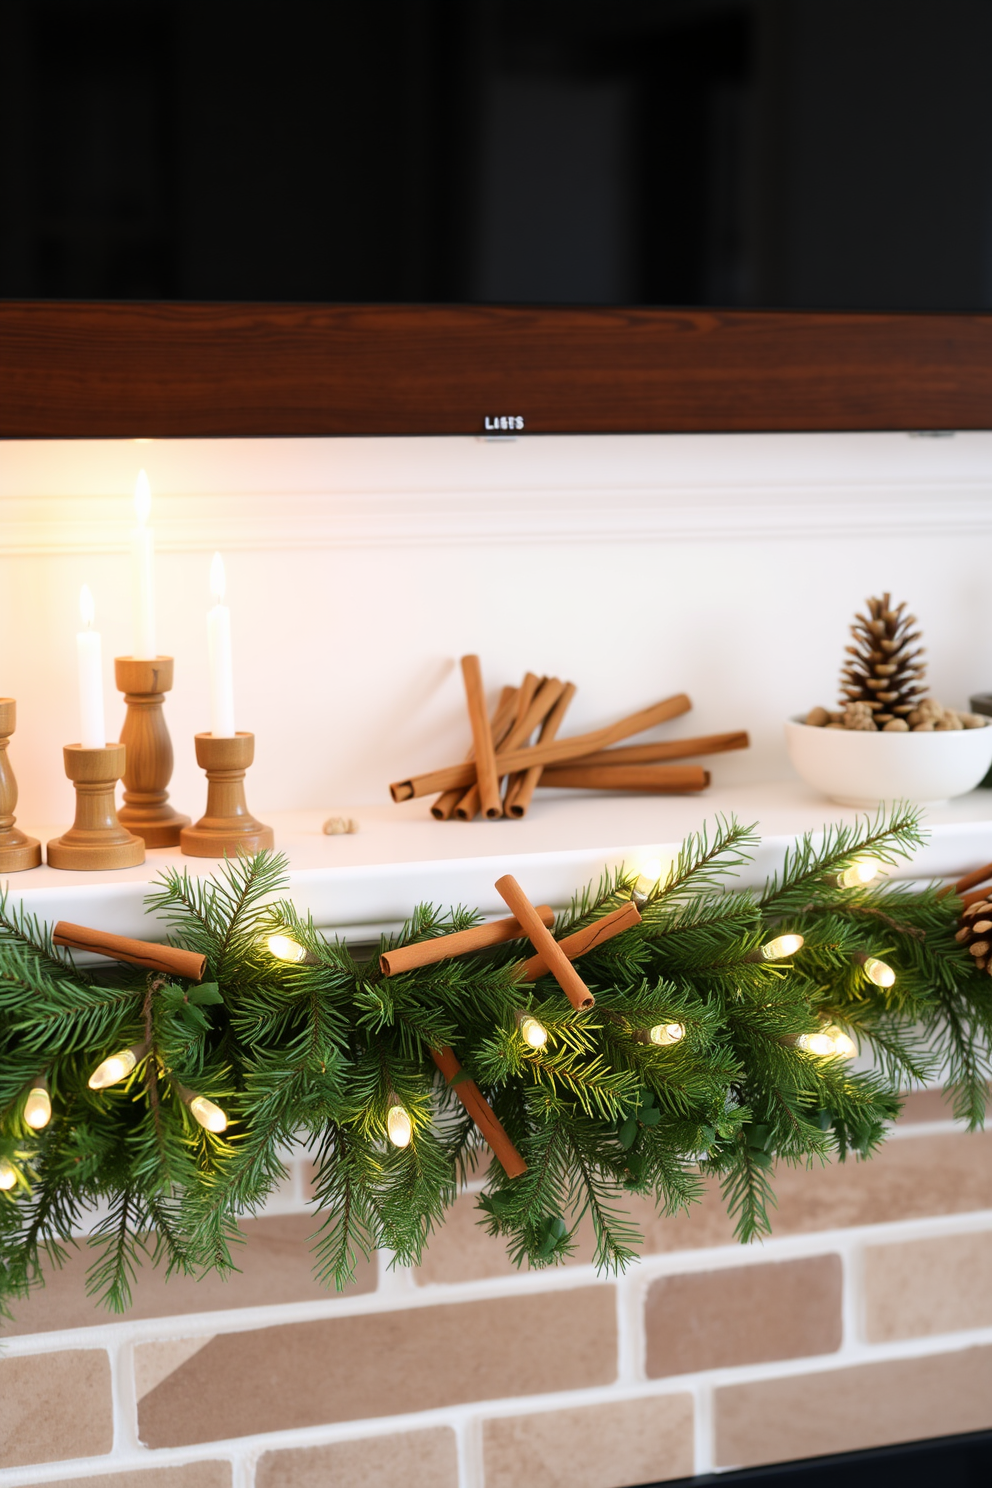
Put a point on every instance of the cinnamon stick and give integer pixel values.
(648, 779)
(670, 749)
(554, 752)
(967, 882)
(443, 947)
(169, 959)
(484, 766)
(481, 1113)
(544, 944)
(470, 802)
(977, 895)
(544, 699)
(501, 722)
(574, 946)
(520, 789)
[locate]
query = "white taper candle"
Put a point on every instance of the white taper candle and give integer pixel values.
(92, 725)
(219, 647)
(143, 573)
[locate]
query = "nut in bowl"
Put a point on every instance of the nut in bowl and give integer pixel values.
(888, 741)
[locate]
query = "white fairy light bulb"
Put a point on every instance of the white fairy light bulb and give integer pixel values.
(820, 1043)
(828, 1042)
(533, 1032)
(649, 876)
(114, 1069)
(210, 1117)
(667, 1033)
(861, 872)
(284, 948)
(844, 1045)
(8, 1174)
(780, 947)
(877, 971)
(38, 1107)
(399, 1127)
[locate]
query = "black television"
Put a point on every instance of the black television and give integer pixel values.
(820, 154)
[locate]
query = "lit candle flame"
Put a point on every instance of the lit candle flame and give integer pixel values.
(87, 609)
(142, 498)
(218, 582)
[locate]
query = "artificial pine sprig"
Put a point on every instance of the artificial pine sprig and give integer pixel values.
(700, 1057)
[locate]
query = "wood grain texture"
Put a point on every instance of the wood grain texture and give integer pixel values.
(126, 370)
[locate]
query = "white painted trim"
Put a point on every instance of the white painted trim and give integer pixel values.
(290, 495)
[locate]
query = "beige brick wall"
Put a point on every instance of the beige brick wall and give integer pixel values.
(866, 1319)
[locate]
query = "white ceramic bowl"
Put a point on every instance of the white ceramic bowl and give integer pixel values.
(862, 769)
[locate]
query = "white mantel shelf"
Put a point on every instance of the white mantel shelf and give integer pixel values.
(400, 857)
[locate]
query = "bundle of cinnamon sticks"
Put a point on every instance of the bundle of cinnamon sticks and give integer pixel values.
(504, 767)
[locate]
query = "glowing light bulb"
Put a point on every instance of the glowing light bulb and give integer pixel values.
(667, 1033)
(877, 971)
(284, 948)
(781, 946)
(38, 1107)
(533, 1033)
(115, 1069)
(210, 1117)
(829, 1042)
(861, 872)
(816, 1043)
(142, 498)
(399, 1127)
(648, 877)
(844, 1045)
(8, 1174)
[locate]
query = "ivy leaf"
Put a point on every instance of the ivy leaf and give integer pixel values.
(628, 1133)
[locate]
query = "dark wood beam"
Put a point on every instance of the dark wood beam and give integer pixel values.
(167, 369)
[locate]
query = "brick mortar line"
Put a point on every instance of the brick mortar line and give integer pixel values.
(726, 1257)
(469, 1415)
(247, 1450)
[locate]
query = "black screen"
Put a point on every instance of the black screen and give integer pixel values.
(777, 153)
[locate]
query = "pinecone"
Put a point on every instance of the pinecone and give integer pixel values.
(884, 673)
(976, 933)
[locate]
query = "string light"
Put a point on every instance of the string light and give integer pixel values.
(8, 1174)
(399, 1127)
(777, 949)
(38, 1106)
(648, 878)
(861, 872)
(210, 1117)
(284, 948)
(667, 1033)
(828, 1042)
(117, 1067)
(877, 971)
(532, 1031)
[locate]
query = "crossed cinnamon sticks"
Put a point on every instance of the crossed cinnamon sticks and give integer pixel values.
(501, 752)
(962, 885)
(554, 956)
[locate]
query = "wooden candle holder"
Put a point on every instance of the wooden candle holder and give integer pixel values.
(227, 827)
(17, 852)
(96, 839)
(146, 810)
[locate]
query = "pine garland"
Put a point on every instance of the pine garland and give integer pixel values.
(314, 1053)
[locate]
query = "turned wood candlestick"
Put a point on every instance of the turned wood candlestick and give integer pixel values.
(227, 827)
(146, 810)
(96, 838)
(17, 852)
